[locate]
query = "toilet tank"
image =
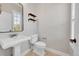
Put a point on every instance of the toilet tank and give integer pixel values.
(34, 38)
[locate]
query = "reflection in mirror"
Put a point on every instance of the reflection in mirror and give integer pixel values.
(11, 17)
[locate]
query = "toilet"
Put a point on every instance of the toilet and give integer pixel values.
(38, 46)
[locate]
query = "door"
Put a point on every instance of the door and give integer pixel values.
(75, 28)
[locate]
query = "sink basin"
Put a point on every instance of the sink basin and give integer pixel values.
(10, 42)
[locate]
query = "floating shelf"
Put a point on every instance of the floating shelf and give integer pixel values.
(31, 19)
(30, 14)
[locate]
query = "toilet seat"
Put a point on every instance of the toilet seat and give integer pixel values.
(40, 43)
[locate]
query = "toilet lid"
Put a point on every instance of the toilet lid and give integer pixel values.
(40, 43)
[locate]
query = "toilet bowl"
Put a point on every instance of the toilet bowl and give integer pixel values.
(38, 46)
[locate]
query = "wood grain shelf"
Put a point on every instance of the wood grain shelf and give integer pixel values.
(31, 19)
(30, 14)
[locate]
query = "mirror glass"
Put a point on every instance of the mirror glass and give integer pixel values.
(11, 17)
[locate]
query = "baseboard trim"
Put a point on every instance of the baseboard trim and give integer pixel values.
(39, 54)
(57, 52)
(28, 50)
(49, 49)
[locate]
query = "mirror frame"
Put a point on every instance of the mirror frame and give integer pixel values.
(12, 21)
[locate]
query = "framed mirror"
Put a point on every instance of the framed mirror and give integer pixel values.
(11, 17)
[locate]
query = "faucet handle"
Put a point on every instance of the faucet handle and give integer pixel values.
(13, 35)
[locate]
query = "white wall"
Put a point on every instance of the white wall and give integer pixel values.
(5, 21)
(54, 24)
(76, 19)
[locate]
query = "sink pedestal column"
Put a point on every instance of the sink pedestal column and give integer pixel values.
(17, 50)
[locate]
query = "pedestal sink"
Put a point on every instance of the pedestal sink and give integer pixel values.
(14, 42)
